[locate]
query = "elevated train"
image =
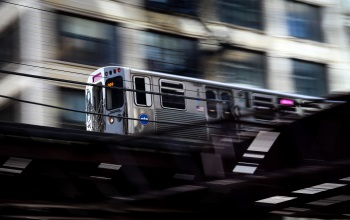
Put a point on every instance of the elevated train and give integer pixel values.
(129, 101)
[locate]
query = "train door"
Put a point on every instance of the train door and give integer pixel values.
(143, 105)
(89, 108)
(97, 107)
(94, 104)
(219, 109)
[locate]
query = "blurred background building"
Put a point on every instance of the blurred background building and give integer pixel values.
(298, 46)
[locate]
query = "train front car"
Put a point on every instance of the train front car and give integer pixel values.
(105, 100)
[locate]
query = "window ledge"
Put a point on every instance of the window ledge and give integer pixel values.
(234, 26)
(174, 13)
(305, 41)
(70, 65)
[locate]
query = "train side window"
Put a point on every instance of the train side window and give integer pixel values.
(115, 97)
(226, 106)
(142, 85)
(211, 105)
(172, 88)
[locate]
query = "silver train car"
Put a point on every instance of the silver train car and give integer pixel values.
(128, 101)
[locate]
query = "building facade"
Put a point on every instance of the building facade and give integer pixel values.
(298, 46)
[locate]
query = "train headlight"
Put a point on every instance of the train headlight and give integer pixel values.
(111, 120)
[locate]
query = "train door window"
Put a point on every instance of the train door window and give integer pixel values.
(97, 98)
(114, 97)
(226, 104)
(176, 92)
(243, 99)
(88, 105)
(211, 105)
(142, 85)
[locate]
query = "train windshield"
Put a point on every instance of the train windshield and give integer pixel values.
(114, 96)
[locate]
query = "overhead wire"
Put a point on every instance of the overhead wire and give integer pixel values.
(87, 84)
(204, 123)
(12, 3)
(200, 123)
(59, 80)
(90, 84)
(50, 11)
(55, 12)
(84, 74)
(147, 92)
(42, 67)
(103, 86)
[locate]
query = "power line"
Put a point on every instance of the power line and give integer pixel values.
(231, 96)
(47, 68)
(140, 91)
(124, 80)
(108, 87)
(26, 6)
(45, 105)
(85, 112)
(35, 66)
(55, 12)
(85, 84)
(201, 123)
(46, 10)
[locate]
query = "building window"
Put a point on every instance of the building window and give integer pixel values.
(310, 78)
(86, 41)
(247, 13)
(73, 99)
(175, 55)
(304, 21)
(243, 67)
(346, 6)
(10, 112)
(176, 6)
(9, 44)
